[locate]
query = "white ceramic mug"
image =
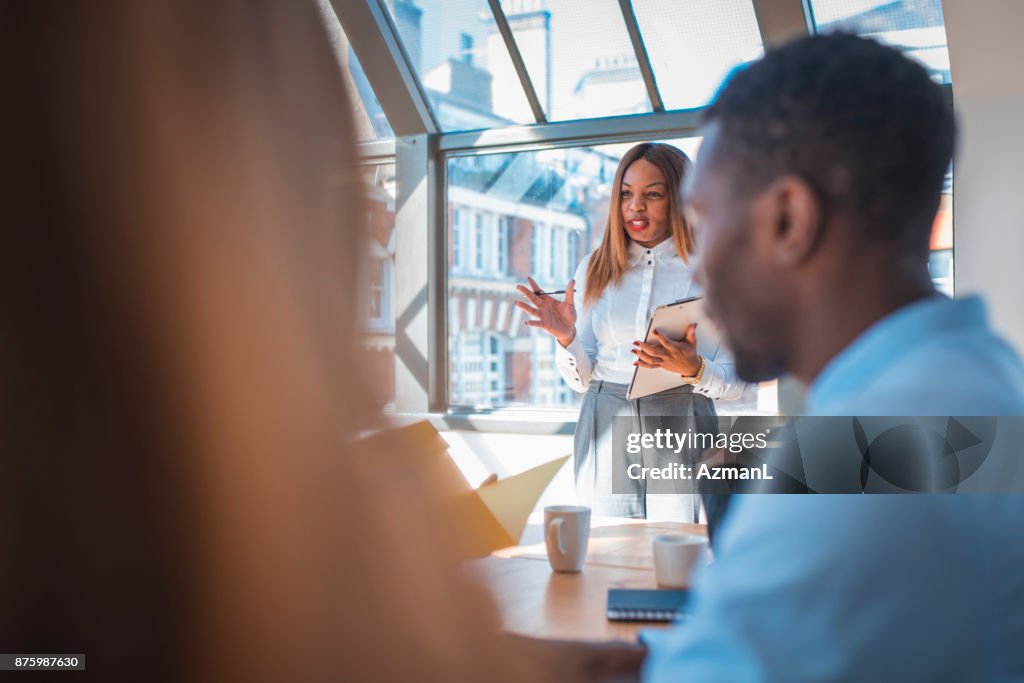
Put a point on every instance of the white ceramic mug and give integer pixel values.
(566, 532)
(676, 556)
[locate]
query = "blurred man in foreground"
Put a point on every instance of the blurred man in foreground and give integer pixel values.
(814, 194)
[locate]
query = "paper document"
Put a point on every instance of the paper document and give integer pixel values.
(511, 500)
(483, 520)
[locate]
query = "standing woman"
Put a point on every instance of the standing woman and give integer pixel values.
(644, 261)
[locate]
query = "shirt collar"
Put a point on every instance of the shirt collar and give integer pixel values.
(887, 341)
(662, 251)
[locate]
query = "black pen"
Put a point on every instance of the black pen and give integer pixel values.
(540, 293)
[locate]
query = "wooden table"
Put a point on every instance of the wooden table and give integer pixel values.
(536, 601)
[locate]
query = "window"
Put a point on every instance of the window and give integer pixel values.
(501, 249)
(916, 27)
(461, 60)
(379, 181)
(479, 243)
(457, 240)
(478, 251)
(535, 205)
(478, 370)
(378, 308)
(371, 124)
(550, 262)
(466, 47)
(940, 265)
(573, 255)
(940, 261)
(579, 57)
(693, 45)
(378, 291)
(552, 390)
(541, 252)
(551, 209)
(460, 240)
(577, 53)
(561, 261)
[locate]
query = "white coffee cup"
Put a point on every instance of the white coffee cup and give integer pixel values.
(566, 532)
(676, 556)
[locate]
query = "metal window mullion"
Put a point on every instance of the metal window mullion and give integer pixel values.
(410, 79)
(681, 123)
(437, 274)
(517, 60)
(812, 23)
(642, 58)
(782, 20)
(374, 38)
(376, 151)
(416, 351)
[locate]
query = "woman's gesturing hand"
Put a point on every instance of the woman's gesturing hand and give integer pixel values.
(551, 315)
(679, 357)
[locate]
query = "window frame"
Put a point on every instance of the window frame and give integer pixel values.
(421, 153)
(529, 420)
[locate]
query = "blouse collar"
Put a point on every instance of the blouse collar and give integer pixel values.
(662, 251)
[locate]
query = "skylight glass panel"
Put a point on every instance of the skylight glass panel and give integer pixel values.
(915, 27)
(693, 45)
(579, 57)
(371, 124)
(463, 63)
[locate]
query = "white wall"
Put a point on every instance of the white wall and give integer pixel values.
(986, 51)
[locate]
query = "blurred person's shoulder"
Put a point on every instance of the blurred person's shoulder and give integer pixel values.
(968, 373)
(939, 357)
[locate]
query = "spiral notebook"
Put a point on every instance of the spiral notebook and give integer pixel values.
(646, 605)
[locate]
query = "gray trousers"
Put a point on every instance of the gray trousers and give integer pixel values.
(593, 450)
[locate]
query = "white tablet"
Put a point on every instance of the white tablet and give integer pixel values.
(672, 320)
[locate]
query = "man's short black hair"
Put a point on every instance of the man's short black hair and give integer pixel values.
(864, 125)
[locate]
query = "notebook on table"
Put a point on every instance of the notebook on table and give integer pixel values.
(646, 605)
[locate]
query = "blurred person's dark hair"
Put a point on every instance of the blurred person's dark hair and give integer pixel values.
(180, 371)
(842, 112)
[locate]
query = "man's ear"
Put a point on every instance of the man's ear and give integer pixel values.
(798, 225)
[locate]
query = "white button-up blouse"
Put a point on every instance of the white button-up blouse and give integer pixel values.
(602, 348)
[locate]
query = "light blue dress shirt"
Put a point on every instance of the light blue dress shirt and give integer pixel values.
(872, 587)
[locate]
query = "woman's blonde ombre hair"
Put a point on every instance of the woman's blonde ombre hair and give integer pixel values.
(611, 259)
